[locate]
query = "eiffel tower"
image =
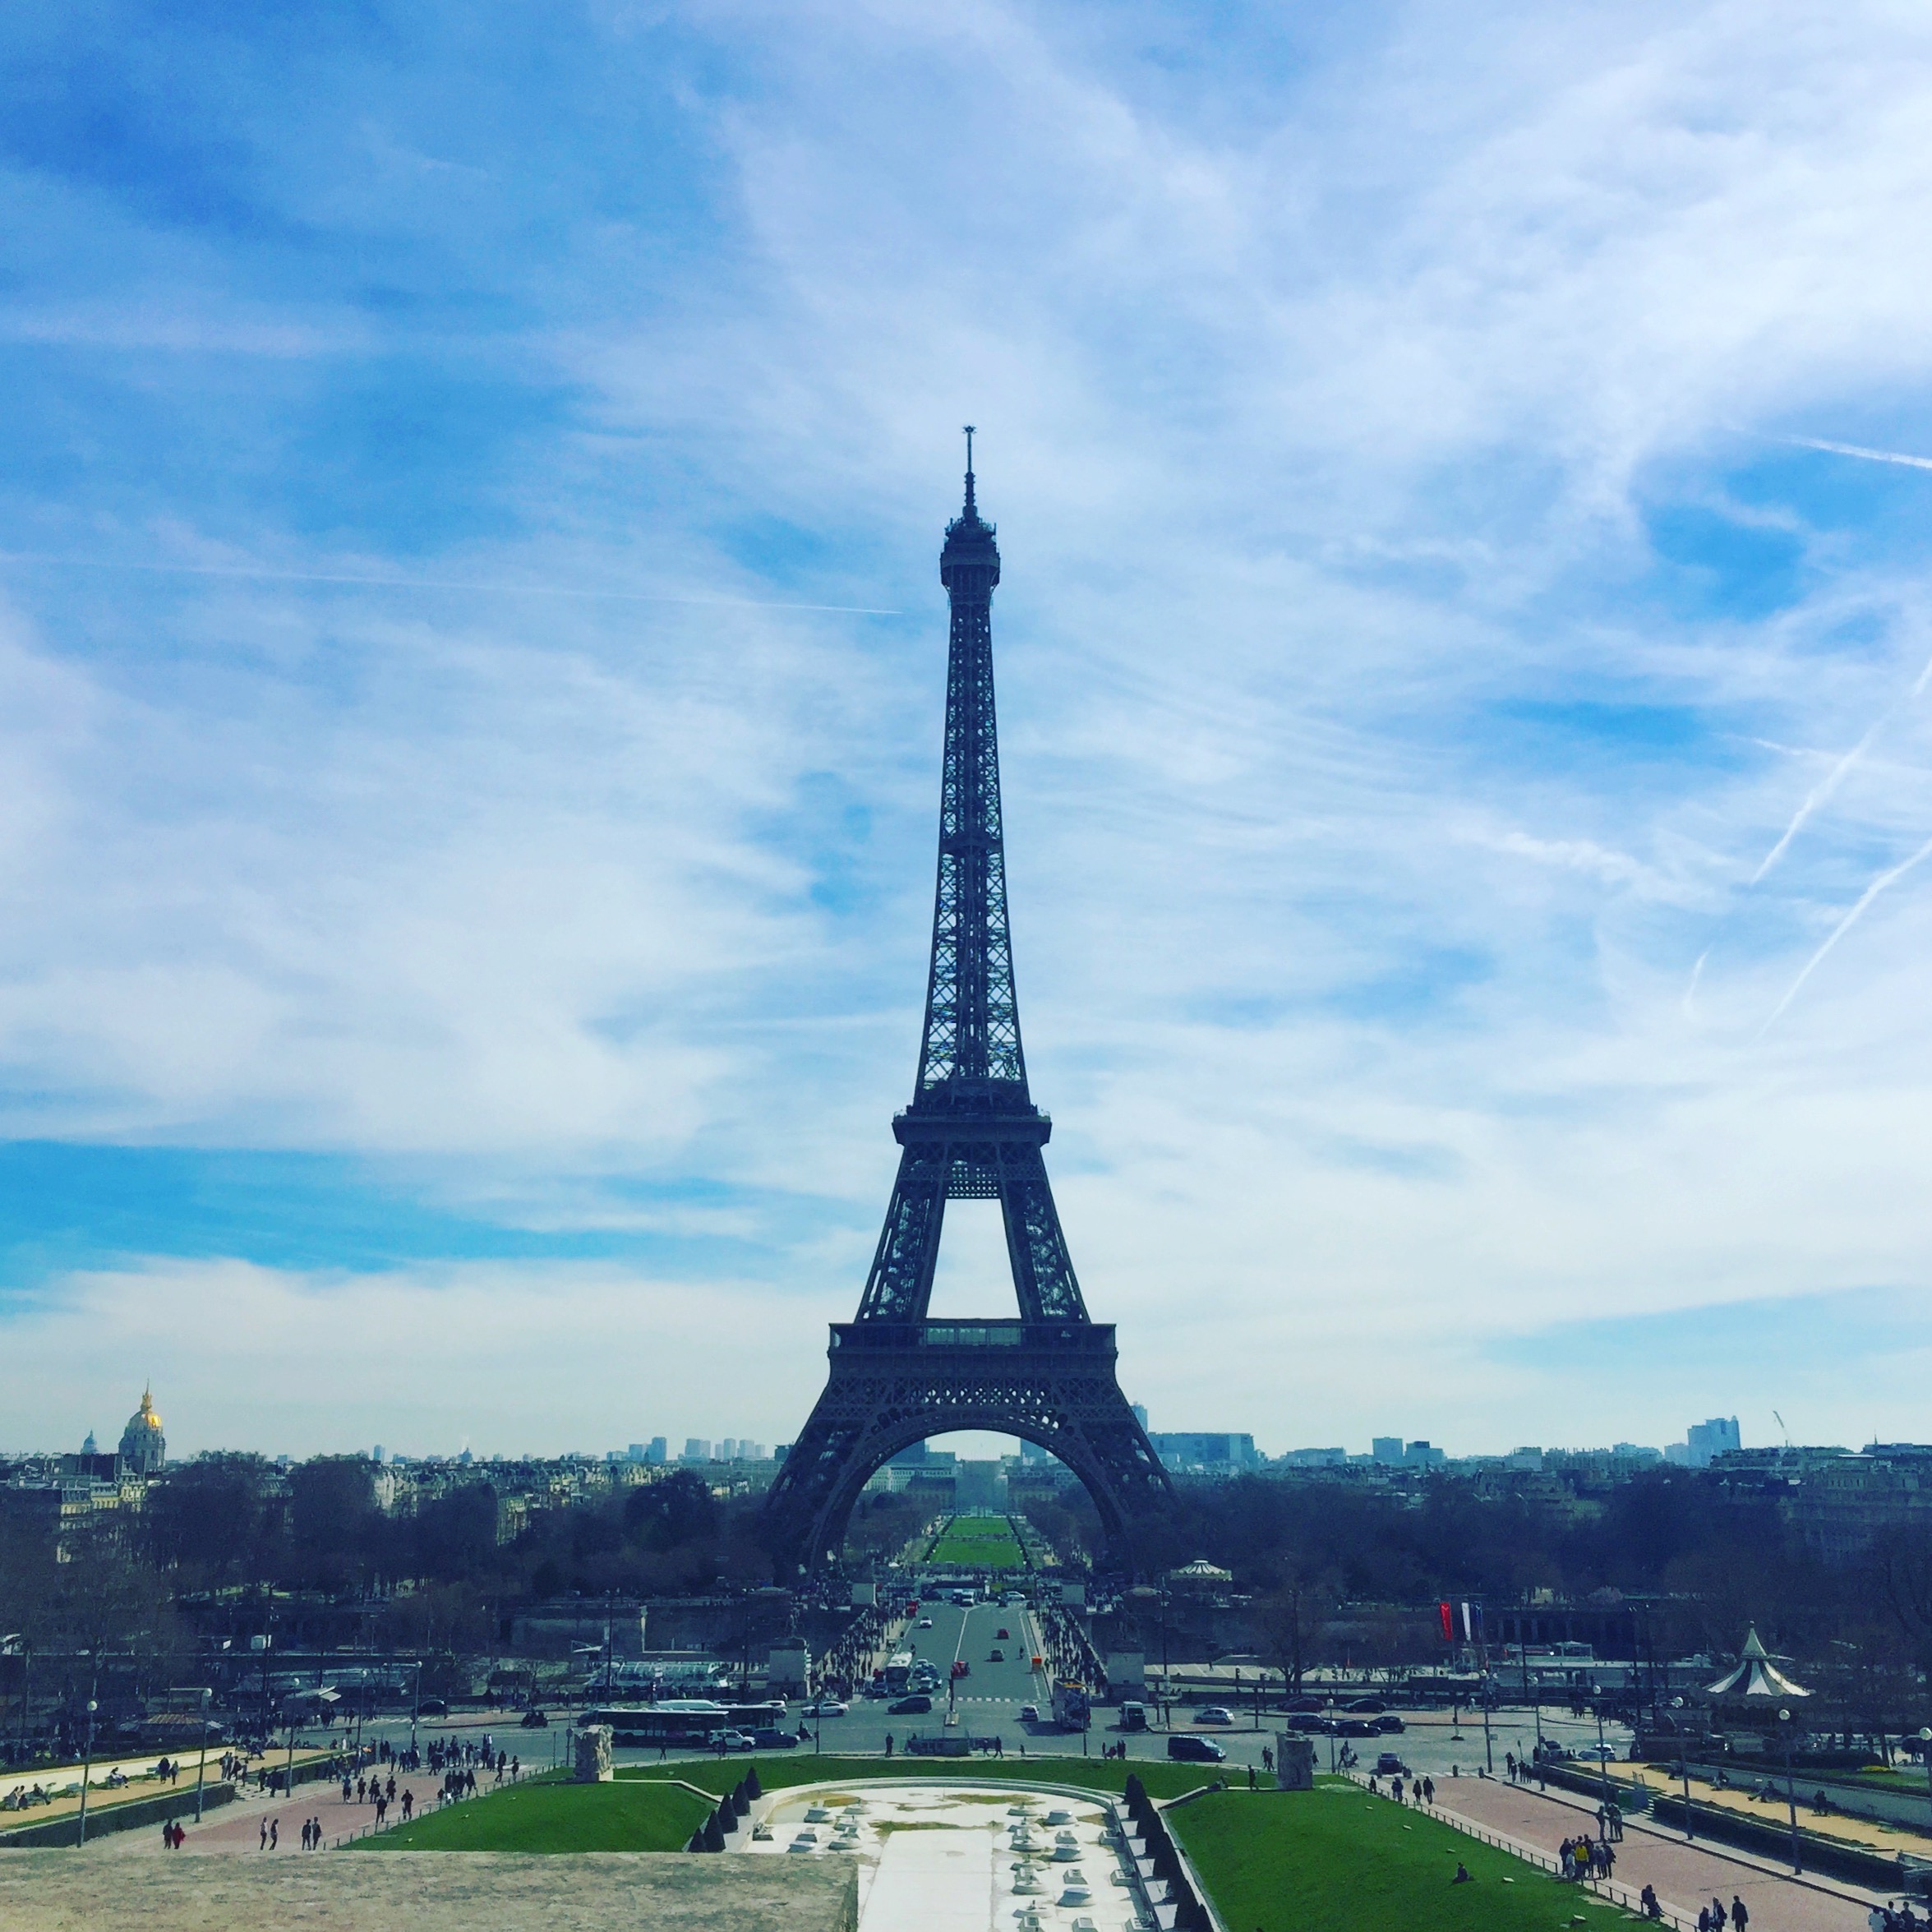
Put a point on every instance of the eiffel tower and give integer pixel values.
(972, 1132)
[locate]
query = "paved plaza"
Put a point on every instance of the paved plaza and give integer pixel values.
(442, 1891)
(1686, 1874)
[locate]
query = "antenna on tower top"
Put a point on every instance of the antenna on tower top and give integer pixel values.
(970, 509)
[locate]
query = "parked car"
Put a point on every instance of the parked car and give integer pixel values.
(776, 1740)
(996, 1655)
(1356, 1728)
(1373, 1706)
(824, 1707)
(432, 1706)
(1302, 1703)
(911, 1707)
(1195, 1751)
(1308, 1722)
(1214, 1713)
(1389, 1724)
(1029, 1714)
(1389, 1764)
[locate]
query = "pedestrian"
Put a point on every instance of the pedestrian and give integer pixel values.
(1740, 1917)
(264, 1844)
(275, 1834)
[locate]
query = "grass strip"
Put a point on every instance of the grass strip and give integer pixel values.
(1335, 1860)
(775, 1774)
(561, 1816)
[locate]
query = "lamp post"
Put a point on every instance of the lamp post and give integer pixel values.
(202, 1769)
(86, 1770)
(1602, 1748)
(1925, 1758)
(1331, 1759)
(1790, 1792)
(1684, 1768)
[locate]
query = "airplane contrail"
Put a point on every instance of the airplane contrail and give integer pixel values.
(1820, 792)
(1690, 991)
(546, 590)
(1844, 925)
(1856, 450)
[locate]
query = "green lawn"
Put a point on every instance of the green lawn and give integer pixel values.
(553, 1817)
(1093, 1774)
(977, 1542)
(1335, 1860)
(645, 1810)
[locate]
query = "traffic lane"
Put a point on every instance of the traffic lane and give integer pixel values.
(1012, 1680)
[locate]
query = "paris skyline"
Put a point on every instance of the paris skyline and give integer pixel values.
(472, 666)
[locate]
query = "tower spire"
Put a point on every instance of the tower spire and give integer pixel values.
(971, 509)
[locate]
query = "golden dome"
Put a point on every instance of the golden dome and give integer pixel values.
(144, 1418)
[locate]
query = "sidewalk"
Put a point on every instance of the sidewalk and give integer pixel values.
(1686, 1874)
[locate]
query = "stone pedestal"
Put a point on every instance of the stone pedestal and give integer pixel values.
(593, 1754)
(1294, 1762)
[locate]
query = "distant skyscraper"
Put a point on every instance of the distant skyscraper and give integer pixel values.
(379, 1454)
(1140, 1409)
(657, 1450)
(728, 1449)
(697, 1449)
(635, 1453)
(1386, 1448)
(1704, 1441)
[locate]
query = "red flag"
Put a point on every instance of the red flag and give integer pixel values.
(1448, 1617)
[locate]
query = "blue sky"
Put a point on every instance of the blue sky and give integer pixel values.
(471, 659)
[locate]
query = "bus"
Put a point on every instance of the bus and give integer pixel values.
(681, 1720)
(1073, 1707)
(899, 1671)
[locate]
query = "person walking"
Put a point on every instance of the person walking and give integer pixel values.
(275, 1834)
(263, 1845)
(1740, 1918)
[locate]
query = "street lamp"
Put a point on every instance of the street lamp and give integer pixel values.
(1331, 1762)
(1925, 1758)
(1791, 1792)
(1602, 1748)
(202, 1769)
(1684, 1768)
(86, 1769)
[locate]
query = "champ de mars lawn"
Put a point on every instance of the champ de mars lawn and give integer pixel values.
(977, 1542)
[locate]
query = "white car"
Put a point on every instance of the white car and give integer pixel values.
(826, 1707)
(735, 1741)
(1213, 1713)
(925, 1623)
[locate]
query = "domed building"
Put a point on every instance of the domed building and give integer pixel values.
(144, 1448)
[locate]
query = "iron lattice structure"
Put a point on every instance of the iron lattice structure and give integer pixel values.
(972, 1132)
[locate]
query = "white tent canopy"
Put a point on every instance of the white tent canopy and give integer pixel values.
(1756, 1676)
